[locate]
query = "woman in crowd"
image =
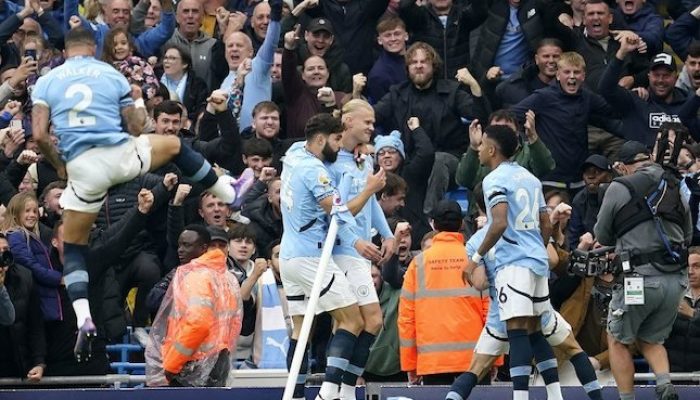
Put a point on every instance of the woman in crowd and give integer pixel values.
(182, 84)
(21, 226)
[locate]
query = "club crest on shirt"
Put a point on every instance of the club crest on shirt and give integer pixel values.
(323, 179)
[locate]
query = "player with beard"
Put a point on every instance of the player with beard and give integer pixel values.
(307, 198)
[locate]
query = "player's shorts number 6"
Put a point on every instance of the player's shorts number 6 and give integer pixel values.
(502, 296)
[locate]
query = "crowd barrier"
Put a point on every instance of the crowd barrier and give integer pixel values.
(268, 384)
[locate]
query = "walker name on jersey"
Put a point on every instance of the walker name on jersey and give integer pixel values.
(82, 72)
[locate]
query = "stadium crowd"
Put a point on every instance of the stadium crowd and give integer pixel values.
(239, 79)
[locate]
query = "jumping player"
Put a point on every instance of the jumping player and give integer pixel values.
(87, 100)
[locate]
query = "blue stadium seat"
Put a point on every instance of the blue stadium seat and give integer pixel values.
(461, 196)
(124, 350)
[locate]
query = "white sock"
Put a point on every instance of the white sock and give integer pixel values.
(82, 311)
(329, 391)
(554, 391)
(347, 392)
(520, 395)
(223, 189)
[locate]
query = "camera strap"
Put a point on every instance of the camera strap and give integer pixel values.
(653, 205)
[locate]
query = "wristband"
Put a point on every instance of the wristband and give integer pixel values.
(476, 257)
(139, 103)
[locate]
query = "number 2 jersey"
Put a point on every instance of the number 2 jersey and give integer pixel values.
(85, 97)
(521, 243)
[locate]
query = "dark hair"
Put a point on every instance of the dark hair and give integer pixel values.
(257, 147)
(694, 49)
(57, 225)
(395, 184)
(162, 91)
(79, 36)
(268, 249)
(549, 42)
(202, 232)
(242, 231)
(185, 55)
(448, 223)
(266, 106)
(504, 115)
(108, 46)
(393, 221)
(505, 138)
(598, 2)
(169, 107)
(324, 124)
(51, 186)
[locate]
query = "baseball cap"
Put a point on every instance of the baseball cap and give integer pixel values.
(597, 161)
(663, 59)
(632, 151)
(320, 24)
(217, 233)
(447, 210)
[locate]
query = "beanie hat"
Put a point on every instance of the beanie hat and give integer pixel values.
(392, 140)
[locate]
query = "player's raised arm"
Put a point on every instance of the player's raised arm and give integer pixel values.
(40, 132)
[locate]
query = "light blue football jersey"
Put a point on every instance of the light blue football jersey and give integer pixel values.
(305, 182)
(351, 178)
(493, 320)
(85, 97)
(521, 243)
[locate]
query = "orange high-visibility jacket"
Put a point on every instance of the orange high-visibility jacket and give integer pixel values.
(206, 315)
(440, 317)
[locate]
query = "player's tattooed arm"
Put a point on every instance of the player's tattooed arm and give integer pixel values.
(40, 131)
(134, 116)
(545, 227)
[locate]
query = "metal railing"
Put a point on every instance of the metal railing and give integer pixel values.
(242, 378)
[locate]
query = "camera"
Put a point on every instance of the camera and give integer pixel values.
(6, 259)
(595, 262)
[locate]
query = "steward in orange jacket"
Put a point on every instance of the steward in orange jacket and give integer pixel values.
(440, 317)
(201, 318)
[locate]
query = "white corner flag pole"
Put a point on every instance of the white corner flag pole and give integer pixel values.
(311, 308)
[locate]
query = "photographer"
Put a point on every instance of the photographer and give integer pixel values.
(644, 217)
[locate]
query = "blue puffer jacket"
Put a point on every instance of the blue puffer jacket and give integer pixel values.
(29, 251)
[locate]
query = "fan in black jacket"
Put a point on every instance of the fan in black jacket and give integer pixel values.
(22, 345)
